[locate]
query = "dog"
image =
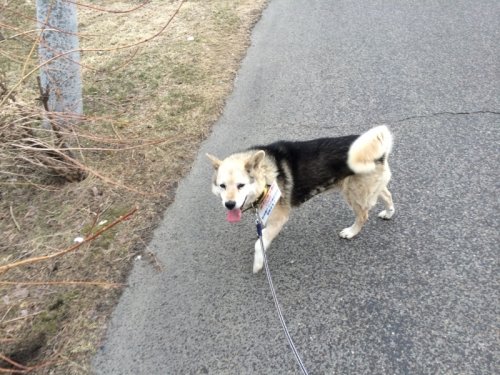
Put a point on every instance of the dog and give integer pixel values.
(357, 165)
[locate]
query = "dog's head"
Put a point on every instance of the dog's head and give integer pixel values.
(238, 181)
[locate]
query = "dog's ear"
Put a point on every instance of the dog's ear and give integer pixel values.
(254, 161)
(215, 162)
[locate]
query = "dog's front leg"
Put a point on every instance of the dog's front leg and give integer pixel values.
(275, 223)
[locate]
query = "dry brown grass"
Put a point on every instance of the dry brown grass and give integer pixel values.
(146, 110)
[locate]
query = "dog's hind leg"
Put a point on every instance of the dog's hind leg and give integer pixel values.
(361, 218)
(275, 223)
(386, 196)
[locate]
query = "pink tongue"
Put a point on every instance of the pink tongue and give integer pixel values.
(233, 216)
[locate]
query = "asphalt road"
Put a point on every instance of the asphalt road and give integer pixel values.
(415, 295)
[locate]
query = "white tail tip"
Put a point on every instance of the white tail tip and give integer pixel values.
(368, 148)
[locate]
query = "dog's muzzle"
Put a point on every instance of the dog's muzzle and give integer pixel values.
(230, 205)
(234, 214)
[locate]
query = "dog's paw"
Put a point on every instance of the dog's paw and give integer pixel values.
(258, 263)
(386, 214)
(347, 233)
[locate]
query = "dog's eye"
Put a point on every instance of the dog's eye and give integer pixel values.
(239, 186)
(223, 186)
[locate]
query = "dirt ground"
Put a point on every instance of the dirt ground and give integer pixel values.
(147, 107)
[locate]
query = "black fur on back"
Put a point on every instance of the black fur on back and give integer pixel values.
(315, 165)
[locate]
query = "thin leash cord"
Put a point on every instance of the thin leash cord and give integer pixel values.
(275, 298)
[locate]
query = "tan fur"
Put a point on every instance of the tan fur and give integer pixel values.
(368, 147)
(361, 192)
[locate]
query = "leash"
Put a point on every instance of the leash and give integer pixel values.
(259, 225)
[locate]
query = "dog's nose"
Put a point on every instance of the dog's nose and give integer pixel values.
(230, 205)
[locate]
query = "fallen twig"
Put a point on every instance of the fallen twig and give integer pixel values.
(19, 368)
(7, 267)
(22, 317)
(94, 7)
(12, 371)
(7, 341)
(6, 313)
(12, 362)
(104, 284)
(14, 219)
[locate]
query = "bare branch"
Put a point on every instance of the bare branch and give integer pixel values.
(94, 7)
(48, 61)
(103, 284)
(14, 219)
(90, 238)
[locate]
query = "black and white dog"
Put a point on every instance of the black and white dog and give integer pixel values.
(356, 165)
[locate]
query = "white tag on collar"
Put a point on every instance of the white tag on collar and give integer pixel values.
(269, 201)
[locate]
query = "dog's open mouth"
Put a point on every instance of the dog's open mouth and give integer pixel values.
(233, 216)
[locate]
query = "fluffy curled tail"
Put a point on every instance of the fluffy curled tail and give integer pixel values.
(369, 148)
